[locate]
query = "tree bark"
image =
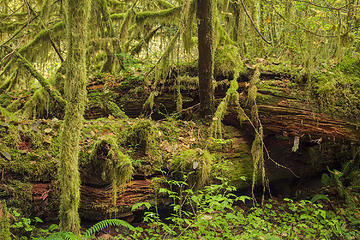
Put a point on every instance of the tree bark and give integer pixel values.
(77, 14)
(205, 12)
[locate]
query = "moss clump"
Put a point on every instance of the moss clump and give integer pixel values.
(113, 164)
(350, 65)
(338, 94)
(115, 110)
(142, 137)
(195, 164)
(227, 60)
(21, 196)
(219, 144)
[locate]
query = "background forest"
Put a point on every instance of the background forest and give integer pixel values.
(179, 119)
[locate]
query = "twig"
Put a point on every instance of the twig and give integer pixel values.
(299, 26)
(13, 12)
(252, 22)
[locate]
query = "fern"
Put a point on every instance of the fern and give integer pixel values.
(107, 223)
(61, 236)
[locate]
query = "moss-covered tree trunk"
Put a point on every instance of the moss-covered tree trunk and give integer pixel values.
(205, 11)
(76, 18)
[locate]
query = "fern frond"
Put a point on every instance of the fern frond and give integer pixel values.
(61, 236)
(107, 223)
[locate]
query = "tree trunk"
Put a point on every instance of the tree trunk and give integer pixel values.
(77, 14)
(205, 12)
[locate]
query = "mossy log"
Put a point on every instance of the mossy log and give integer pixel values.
(29, 162)
(284, 108)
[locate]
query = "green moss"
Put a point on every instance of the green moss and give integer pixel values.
(162, 16)
(350, 65)
(115, 110)
(113, 164)
(21, 196)
(141, 136)
(193, 163)
(234, 167)
(26, 151)
(4, 222)
(338, 93)
(219, 145)
(227, 60)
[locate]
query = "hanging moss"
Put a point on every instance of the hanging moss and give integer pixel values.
(179, 100)
(258, 160)
(161, 70)
(54, 93)
(113, 164)
(138, 47)
(150, 101)
(162, 16)
(38, 106)
(42, 36)
(128, 19)
(193, 163)
(231, 97)
(188, 18)
(252, 92)
(257, 148)
(9, 83)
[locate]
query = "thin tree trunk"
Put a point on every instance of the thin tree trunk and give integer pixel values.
(77, 14)
(206, 55)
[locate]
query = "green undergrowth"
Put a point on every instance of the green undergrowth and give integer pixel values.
(114, 150)
(214, 212)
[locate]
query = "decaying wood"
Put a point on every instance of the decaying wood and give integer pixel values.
(286, 110)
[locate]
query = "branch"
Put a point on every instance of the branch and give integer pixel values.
(252, 22)
(54, 93)
(19, 30)
(6, 17)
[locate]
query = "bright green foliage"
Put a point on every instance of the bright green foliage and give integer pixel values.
(214, 215)
(105, 224)
(346, 182)
(227, 61)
